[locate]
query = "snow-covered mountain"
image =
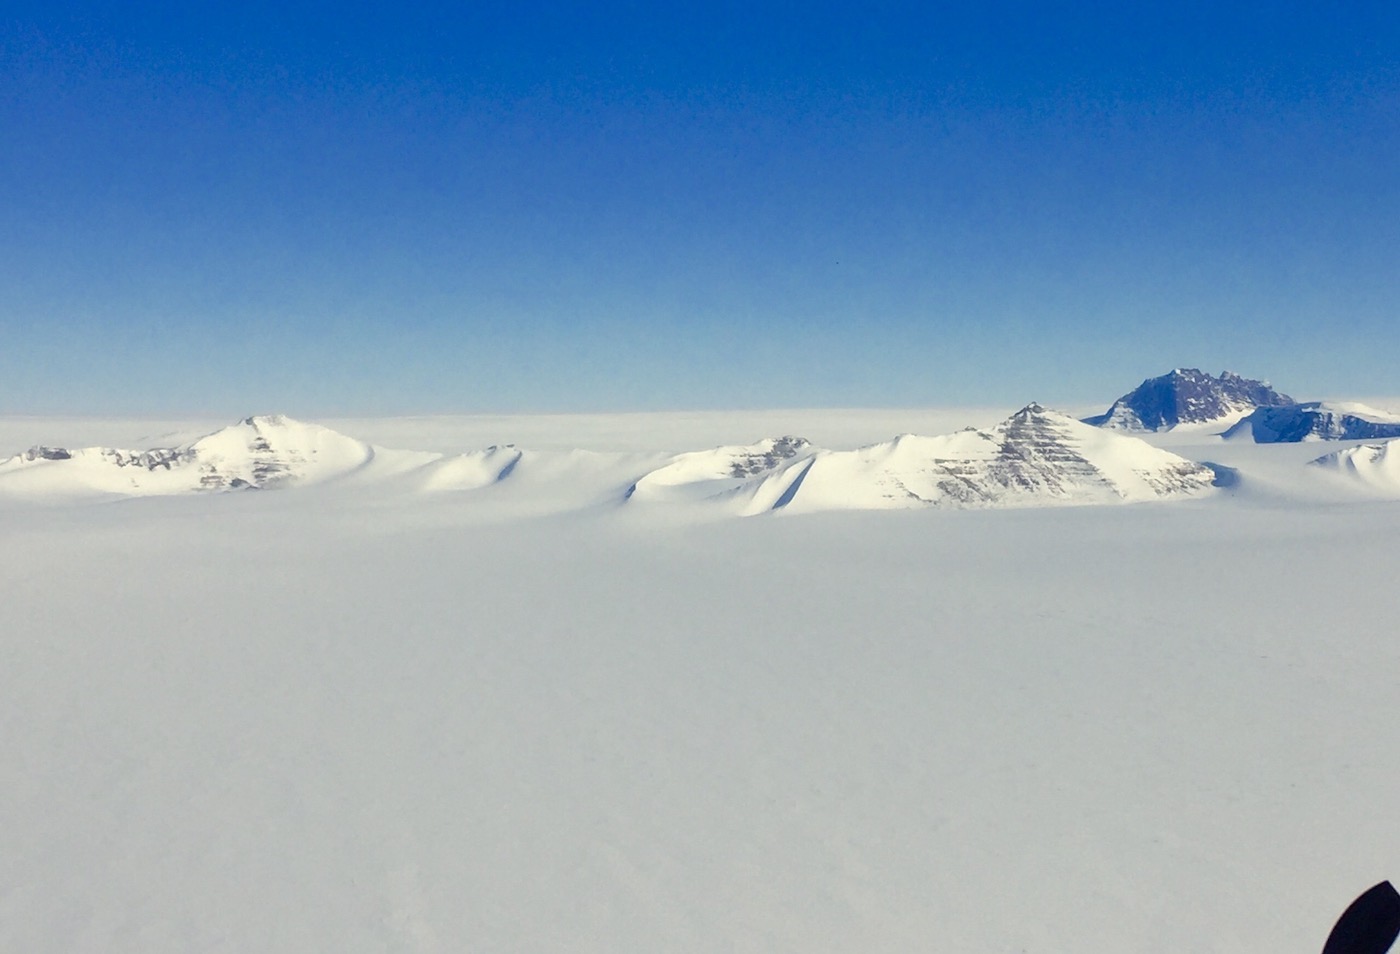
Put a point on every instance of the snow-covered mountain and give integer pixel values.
(1187, 396)
(256, 452)
(1316, 420)
(700, 474)
(1376, 466)
(1034, 458)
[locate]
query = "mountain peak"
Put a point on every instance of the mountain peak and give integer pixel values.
(271, 420)
(259, 451)
(1187, 396)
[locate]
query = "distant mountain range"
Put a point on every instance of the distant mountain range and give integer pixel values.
(1036, 457)
(255, 453)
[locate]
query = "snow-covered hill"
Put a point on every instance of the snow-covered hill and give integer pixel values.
(256, 452)
(471, 470)
(1375, 466)
(1034, 458)
(1187, 396)
(1316, 420)
(701, 474)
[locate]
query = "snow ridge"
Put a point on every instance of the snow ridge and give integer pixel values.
(701, 474)
(1375, 466)
(1316, 420)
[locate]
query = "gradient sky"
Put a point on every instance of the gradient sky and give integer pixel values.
(341, 208)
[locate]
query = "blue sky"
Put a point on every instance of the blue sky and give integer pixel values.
(325, 209)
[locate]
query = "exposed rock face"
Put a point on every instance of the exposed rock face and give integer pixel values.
(1316, 420)
(1187, 396)
(767, 455)
(1034, 458)
(46, 453)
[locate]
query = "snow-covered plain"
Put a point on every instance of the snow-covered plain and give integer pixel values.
(523, 715)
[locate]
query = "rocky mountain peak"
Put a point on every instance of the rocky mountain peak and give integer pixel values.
(1187, 396)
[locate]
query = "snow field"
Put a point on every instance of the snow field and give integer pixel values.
(533, 717)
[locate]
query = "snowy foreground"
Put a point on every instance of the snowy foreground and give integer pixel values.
(533, 715)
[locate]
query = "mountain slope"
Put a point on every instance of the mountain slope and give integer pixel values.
(1034, 458)
(1186, 396)
(1376, 466)
(701, 474)
(470, 471)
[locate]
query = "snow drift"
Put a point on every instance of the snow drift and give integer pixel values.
(1375, 466)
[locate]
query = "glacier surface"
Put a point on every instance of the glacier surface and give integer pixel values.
(417, 707)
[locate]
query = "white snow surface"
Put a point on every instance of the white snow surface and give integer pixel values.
(379, 714)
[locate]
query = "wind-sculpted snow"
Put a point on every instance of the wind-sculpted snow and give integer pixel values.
(1373, 466)
(701, 474)
(471, 471)
(1316, 421)
(1034, 458)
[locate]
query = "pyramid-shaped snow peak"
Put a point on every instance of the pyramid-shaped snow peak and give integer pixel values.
(1034, 458)
(261, 451)
(256, 452)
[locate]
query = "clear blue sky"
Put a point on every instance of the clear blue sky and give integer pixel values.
(349, 208)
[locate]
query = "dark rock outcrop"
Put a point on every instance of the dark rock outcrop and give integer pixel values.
(1187, 396)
